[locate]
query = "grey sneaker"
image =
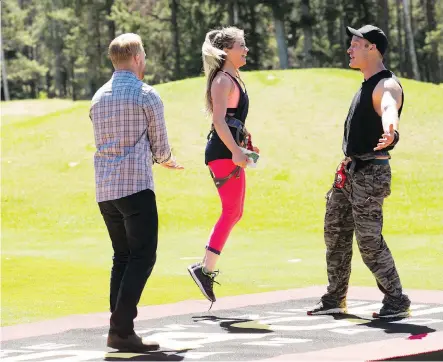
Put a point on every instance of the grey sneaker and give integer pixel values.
(204, 281)
(322, 308)
(389, 312)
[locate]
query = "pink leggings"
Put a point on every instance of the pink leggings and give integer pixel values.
(232, 196)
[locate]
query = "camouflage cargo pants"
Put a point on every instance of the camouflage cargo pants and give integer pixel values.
(357, 207)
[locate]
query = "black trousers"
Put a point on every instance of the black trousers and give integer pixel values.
(132, 223)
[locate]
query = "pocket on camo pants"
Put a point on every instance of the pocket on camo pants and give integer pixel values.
(377, 182)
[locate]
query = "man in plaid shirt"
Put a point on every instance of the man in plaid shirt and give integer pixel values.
(130, 135)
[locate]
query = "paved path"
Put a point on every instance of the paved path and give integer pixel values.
(257, 327)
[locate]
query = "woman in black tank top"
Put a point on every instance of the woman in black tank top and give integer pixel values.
(224, 52)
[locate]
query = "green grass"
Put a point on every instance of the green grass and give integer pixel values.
(56, 253)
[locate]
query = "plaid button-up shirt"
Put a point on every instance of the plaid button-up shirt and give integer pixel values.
(130, 134)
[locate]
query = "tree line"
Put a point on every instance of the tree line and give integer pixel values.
(58, 48)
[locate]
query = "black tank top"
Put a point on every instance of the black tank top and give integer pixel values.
(363, 125)
(215, 148)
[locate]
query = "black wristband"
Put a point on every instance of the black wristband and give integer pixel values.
(394, 142)
(396, 138)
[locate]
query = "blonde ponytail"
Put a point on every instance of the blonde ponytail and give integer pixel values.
(213, 55)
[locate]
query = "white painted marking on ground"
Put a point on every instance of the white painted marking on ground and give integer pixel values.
(209, 322)
(427, 311)
(192, 340)
(50, 346)
(143, 331)
(176, 327)
(66, 355)
(277, 342)
(418, 321)
(291, 319)
(4, 352)
(297, 310)
(418, 306)
(247, 316)
(198, 355)
(169, 328)
(375, 307)
(356, 303)
(330, 325)
(365, 309)
(353, 331)
(294, 260)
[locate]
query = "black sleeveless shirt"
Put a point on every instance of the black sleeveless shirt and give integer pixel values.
(363, 126)
(215, 148)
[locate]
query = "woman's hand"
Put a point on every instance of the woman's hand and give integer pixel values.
(256, 149)
(239, 158)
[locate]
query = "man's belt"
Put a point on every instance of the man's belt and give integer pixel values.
(356, 163)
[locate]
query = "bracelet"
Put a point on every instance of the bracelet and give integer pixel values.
(396, 138)
(394, 142)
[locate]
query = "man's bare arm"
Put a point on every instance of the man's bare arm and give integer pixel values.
(387, 99)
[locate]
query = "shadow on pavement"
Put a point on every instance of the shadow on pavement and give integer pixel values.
(388, 326)
(236, 325)
(149, 356)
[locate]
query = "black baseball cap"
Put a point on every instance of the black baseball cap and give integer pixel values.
(372, 34)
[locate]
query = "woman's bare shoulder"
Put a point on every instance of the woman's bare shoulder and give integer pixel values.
(222, 82)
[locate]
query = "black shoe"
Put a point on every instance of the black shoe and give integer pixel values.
(390, 312)
(131, 343)
(322, 308)
(204, 281)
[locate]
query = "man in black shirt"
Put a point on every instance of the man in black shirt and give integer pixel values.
(363, 180)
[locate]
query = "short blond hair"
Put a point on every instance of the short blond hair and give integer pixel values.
(124, 47)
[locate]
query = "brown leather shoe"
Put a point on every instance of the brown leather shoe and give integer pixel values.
(131, 343)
